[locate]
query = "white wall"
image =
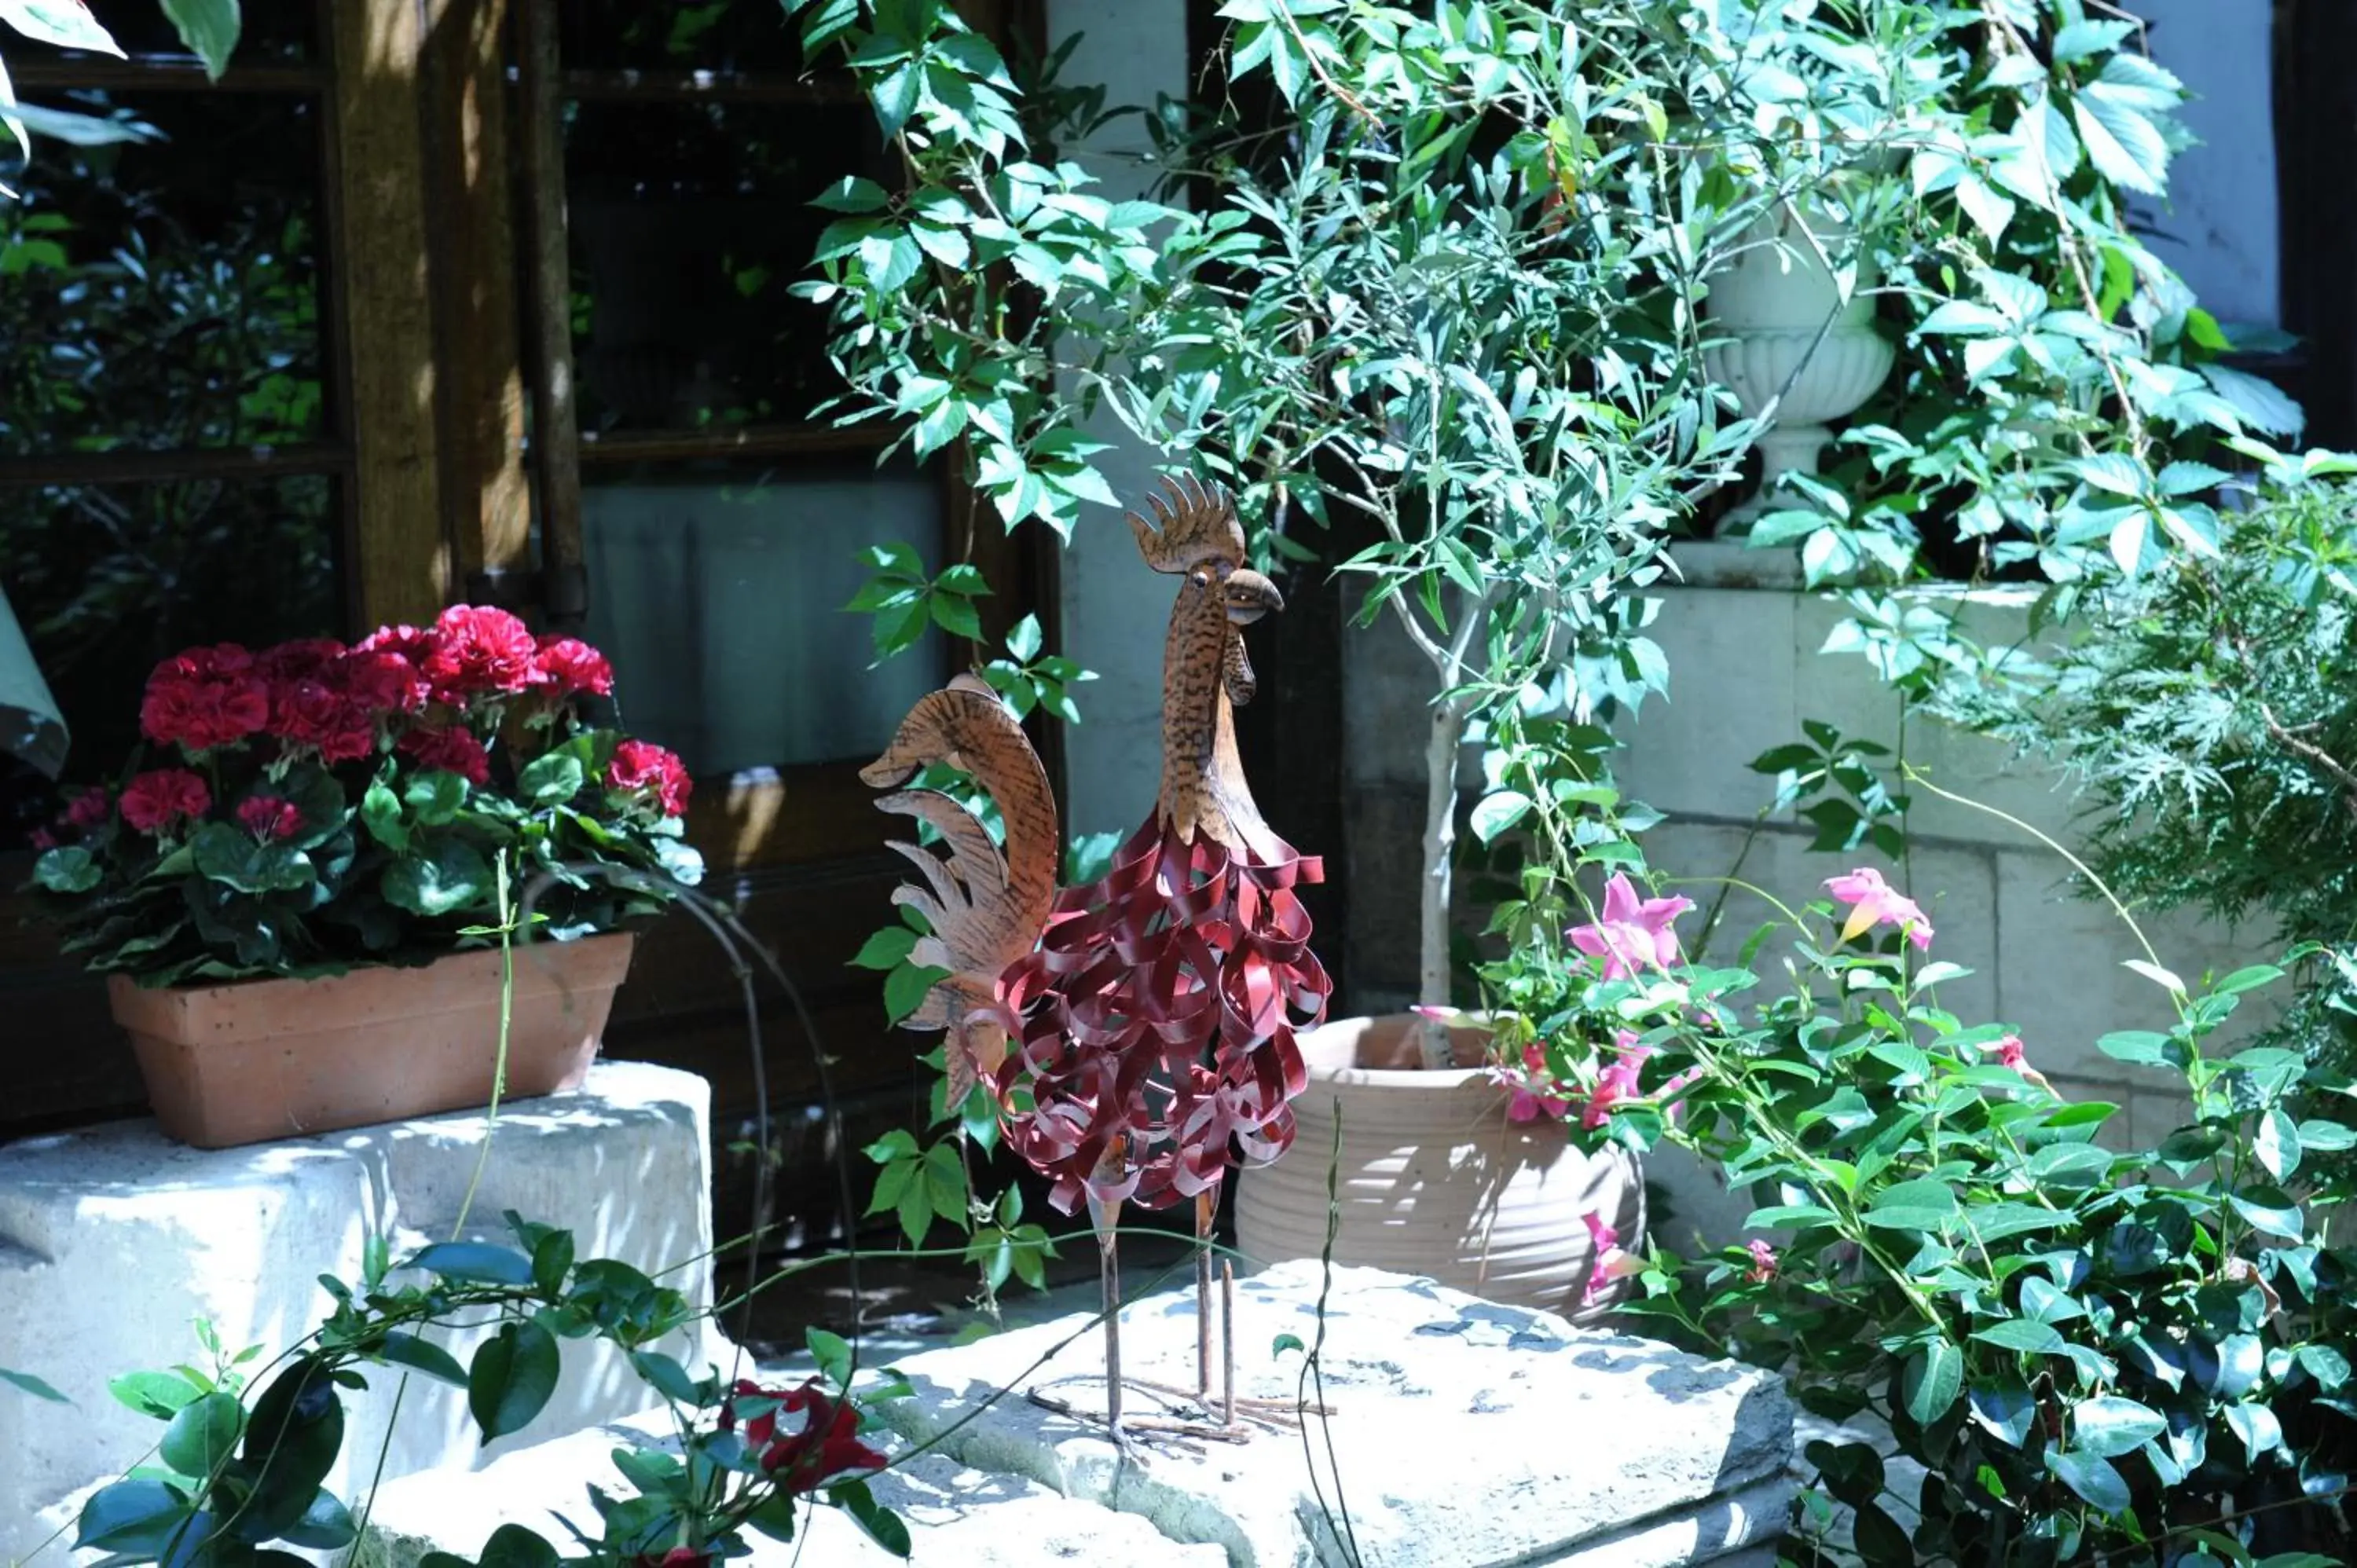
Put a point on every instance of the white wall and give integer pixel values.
(2218, 227)
(1114, 609)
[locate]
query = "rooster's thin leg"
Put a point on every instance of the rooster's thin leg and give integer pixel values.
(1109, 1276)
(1207, 1208)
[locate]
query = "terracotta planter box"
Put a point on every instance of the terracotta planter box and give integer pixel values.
(1434, 1179)
(259, 1059)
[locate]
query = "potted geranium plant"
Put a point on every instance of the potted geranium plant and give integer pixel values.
(299, 885)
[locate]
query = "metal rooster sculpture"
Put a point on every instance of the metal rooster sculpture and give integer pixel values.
(1137, 1032)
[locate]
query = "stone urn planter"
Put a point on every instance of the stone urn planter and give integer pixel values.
(1433, 1177)
(1788, 340)
(261, 1060)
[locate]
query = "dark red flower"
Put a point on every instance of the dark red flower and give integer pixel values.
(90, 809)
(307, 658)
(475, 650)
(568, 665)
(826, 1447)
(450, 749)
(268, 817)
(204, 698)
(317, 713)
(383, 682)
(44, 839)
(677, 1557)
(409, 641)
(154, 801)
(641, 765)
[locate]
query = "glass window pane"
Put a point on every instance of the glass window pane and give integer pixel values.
(716, 34)
(106, 580)
(688, 223)
(720, 598)
(165, 292)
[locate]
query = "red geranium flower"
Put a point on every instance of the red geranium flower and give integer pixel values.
(90, 808)
(204, 698)
(267, 817)
(305, 657)
(568, 665)
(641, 765)
(312, 712)
(451, 749)
(475, 650)
(154, 801)
(383, 681)
(409, 641)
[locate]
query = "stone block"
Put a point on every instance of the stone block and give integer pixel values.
(957, 1518)
(113, 1240)
(1463, 1432)
(1731, 697)
(2063, 980)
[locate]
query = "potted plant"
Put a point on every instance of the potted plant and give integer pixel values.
(1500, 1174)
(301, 886)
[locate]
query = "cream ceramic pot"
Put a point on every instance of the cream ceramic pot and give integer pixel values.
(1433, 1179)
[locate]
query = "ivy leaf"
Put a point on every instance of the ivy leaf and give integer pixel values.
(1930, 1384)
(37, 1386)
(2276, 1144)
(203, 1434)
(65, 23)
(2111, 1426)
(209, 28)
(511, 1377)
(885, 949)
(1498, 812)
(2094, 1479)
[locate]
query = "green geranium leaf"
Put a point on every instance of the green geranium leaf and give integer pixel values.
(552, 778)
(231, 857)
(381, 812)
(449, 875)
(68, 868)
(434, 798)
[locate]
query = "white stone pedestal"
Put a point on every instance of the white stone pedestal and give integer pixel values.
(1464, 1436)
(113, 1240)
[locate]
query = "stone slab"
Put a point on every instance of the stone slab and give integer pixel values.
(955, 1515)
(114, 1240)
(1464, 1432)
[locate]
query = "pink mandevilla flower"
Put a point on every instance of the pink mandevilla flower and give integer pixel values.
(1617, 1082)
(1613, 1262)
(2009, 1053)
(1874, 902)
(1763, 1263)
(1634, 934)
(1532, 1100)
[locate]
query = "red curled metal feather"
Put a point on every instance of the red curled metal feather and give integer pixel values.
(1160, 1009)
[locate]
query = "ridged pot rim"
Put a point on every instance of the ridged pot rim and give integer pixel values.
(1406, 1080)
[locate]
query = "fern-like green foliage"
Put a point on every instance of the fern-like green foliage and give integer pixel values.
(2209, 710)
